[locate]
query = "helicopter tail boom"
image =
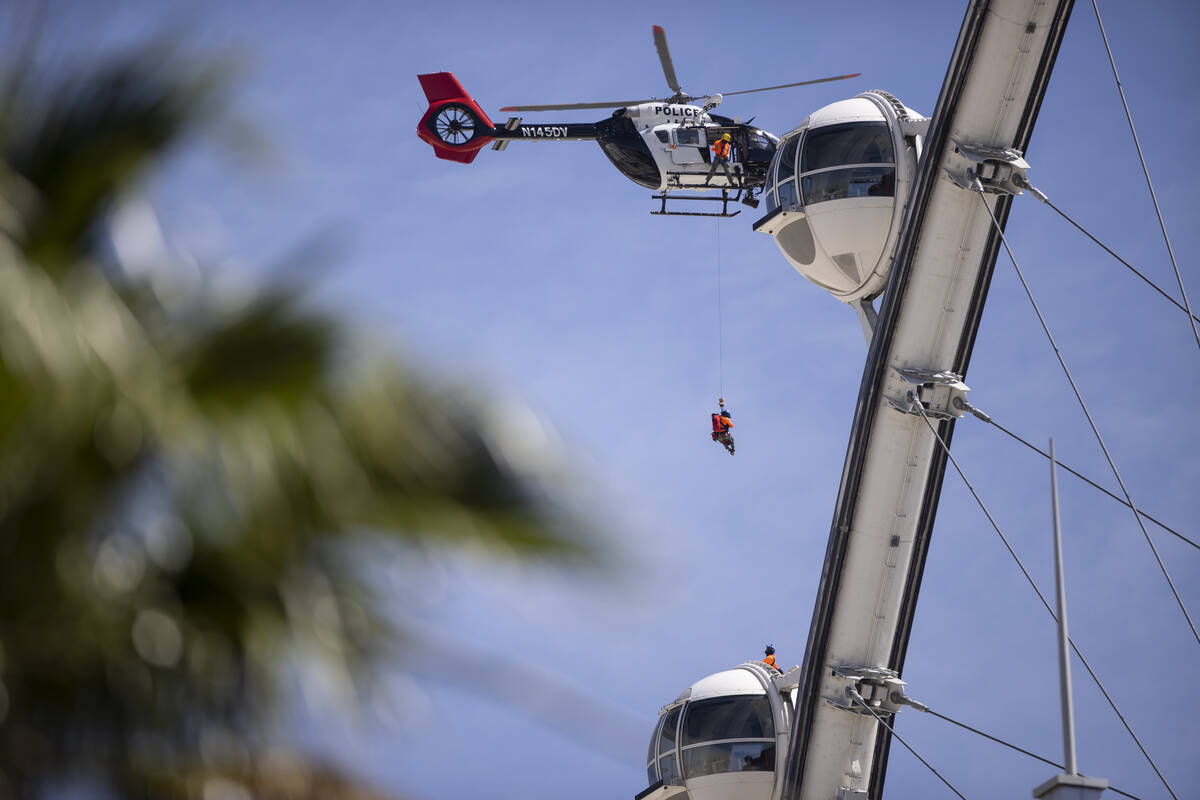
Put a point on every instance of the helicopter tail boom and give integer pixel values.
(454, 124)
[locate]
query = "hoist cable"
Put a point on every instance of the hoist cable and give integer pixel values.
(1146, 171)
(1087, 480)
(1095, 430)
(1009, 745)
(1040, 196)
(720, 315)
(1095, 678)
(858, 698)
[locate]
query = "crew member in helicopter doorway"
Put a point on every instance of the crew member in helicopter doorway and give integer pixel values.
(770, 658)
(722, 423)
(721, 149)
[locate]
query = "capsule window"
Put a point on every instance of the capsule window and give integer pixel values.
(735, 717)
(688, 136)
(839, 184)
(668, 768)
(666, 738)
(847, 143)
(653, 743)
(769, 192)
(787, 160)
(787, 194)
(668, 765)
(663, 136)
(713, 759)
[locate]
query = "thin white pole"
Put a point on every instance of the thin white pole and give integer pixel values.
(1064, 663)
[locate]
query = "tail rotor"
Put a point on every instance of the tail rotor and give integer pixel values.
(454, 124)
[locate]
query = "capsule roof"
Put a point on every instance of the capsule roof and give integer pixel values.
(731, 681)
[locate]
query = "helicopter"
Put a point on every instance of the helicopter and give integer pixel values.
(661, 145)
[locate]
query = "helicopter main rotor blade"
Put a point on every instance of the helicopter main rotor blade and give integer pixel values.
(664, 55)
(568, 106)
(788, 85)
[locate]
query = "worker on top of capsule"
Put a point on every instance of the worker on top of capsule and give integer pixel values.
(770, 658)
(721, 148)
(722, 423)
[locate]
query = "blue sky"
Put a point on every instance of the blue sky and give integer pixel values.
(538, 274)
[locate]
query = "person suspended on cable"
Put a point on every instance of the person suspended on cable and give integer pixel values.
(770, 658)
(722, 424)
(722, 148)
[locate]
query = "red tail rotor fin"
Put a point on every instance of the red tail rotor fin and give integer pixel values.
(454, 124)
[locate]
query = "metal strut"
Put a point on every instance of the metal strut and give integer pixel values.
(724, 200)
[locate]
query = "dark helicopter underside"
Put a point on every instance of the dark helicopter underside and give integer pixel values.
(626, 149)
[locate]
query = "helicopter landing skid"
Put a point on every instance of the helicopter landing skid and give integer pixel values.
(724, 200)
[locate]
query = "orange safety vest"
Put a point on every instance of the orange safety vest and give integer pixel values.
(721, 424)
(721, 148)
(770, 662)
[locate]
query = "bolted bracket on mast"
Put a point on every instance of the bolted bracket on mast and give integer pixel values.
(876, 686)
(942, 395)
(999, 170)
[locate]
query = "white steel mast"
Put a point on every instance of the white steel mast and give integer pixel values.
(919, 352)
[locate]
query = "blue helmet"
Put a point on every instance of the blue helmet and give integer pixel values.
(770, 649)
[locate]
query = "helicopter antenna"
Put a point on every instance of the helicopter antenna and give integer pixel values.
(664, 55)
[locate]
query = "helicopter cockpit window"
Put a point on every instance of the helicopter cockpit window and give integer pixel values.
(688, 136)
(663, 136)
(848, 143)
(758, 142)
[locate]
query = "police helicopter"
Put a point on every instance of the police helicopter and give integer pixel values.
(663, 145)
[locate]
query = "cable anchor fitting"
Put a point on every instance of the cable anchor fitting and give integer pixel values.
(999, 170)
(942, 395)
(856, 688)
